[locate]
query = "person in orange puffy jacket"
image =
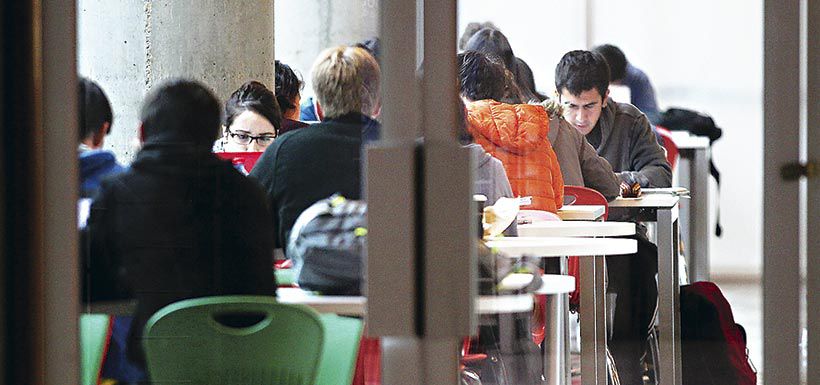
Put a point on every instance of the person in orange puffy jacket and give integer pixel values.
(516, 134)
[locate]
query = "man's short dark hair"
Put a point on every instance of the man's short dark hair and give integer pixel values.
(94, 108)
(481, 77)
(579, 71)
(288, 86)
(372, 45)
(255, 97)
(616, 60)
(181, 112)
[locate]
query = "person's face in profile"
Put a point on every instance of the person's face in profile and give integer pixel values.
(249, 132)
(583, 111)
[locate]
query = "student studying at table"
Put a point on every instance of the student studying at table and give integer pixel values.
(307, 165)
(288, 95)
(252, 119)
(621, 134)
(179, 223)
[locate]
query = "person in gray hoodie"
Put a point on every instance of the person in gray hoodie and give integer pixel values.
(619, 132)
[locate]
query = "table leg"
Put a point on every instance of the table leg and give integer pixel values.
(593, 321)
(556, 338)
(699, 230)
(668, 297)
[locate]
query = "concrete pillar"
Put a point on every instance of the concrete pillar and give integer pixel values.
(306, 27)
(128, 46)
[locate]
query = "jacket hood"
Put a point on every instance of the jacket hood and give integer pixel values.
(517, 128)
(95, 162)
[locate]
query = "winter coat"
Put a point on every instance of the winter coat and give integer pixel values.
(516, 134)
(580, 164)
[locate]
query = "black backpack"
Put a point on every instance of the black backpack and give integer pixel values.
(327, 246)
(680, 119)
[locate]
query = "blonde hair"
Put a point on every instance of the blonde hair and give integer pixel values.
(345, 80)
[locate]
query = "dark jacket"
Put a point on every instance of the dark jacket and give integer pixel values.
(304, 166)
(580, 164)
(624, 137)
(178, 224)
(94, 166)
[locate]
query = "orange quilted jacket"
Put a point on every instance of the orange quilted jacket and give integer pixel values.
(516, 134)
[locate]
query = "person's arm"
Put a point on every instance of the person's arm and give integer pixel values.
(596, 170)
(264, 172)
(501, 184)
(647, 158)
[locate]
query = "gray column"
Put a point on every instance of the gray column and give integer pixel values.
(306, 27)
(129, 46)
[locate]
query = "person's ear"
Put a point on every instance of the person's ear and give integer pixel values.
(606, 95)
(98, 138)
(377, 111)
(141, 133)
(319, 113)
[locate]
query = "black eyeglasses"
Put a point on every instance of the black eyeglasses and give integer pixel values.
(245, 139)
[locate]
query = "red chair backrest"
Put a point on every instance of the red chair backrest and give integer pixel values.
(587, 196)
(672, 150)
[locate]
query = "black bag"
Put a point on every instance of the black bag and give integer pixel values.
(680, 119)
(327, 246)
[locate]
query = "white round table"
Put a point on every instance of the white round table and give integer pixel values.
(562, 246)
(576, 229)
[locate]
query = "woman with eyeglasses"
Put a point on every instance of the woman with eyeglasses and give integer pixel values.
(252, 119)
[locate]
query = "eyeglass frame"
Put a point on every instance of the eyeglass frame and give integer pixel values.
(251, 138)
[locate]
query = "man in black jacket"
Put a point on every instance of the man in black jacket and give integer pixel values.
(179, 223)
(304, 166)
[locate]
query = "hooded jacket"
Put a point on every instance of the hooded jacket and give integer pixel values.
(580, 164)
(516, 134)
(94, 166)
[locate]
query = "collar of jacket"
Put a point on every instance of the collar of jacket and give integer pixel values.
(607, 121)
(371, 129)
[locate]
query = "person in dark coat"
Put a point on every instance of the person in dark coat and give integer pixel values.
(96, 119)
(288, 95)
(179, 223)
(304, 166)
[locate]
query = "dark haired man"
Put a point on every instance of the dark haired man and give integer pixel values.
(288, 95)
(95, 119)
(622, 72)
(619, 132)
(622, 134)
(180, 223)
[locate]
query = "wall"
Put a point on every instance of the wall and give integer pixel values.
(130, 46)
(707, 57)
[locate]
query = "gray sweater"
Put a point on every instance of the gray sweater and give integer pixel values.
(580, 164)
(491, 180)
(624, 137)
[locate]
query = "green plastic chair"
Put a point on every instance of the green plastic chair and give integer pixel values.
(233, 340)
(342, 338)
(94, 330)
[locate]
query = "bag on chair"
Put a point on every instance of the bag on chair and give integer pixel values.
(713, 346)
(327, 246)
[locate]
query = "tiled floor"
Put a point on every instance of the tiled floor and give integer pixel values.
(746, 299)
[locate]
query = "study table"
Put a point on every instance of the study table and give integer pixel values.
(693, 174)
(581, 212)
(593, 276)
(663, 210)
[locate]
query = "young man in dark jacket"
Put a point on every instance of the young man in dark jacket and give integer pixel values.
(95, 124)
(304, 166)
(619, 132)
(622, 134)
(179, 223)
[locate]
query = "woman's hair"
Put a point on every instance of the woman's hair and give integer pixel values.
(481, 77)
(470, 30)
(492, 42)
(288, 86)
(94, 108)
(526, 81)
(346, 79)
(253, 96)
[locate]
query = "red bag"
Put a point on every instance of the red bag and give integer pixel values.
(713, 346)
